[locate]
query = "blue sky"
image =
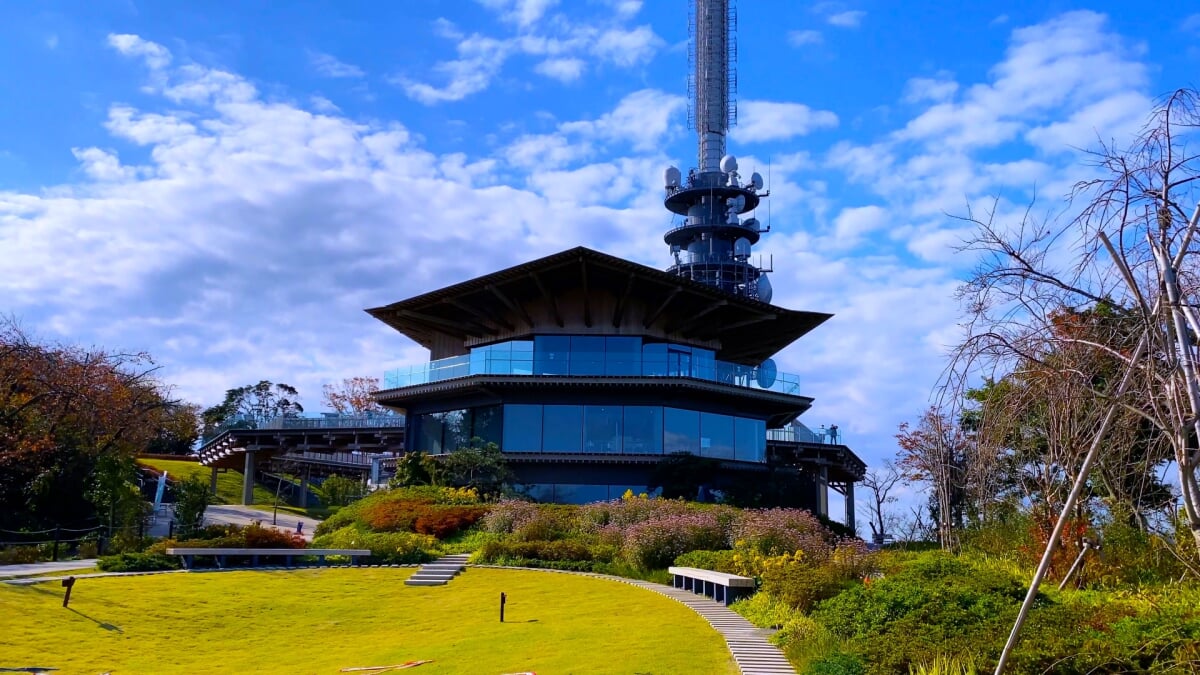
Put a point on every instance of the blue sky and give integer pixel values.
(228, 184)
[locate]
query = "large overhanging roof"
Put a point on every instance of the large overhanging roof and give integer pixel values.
(496, 304)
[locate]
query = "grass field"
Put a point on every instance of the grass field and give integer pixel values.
(320, 621)
(229, 485)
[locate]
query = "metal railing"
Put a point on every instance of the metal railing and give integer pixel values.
(586, 364)
(831, 436)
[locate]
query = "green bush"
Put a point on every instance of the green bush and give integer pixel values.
(88, 548)
(801, 586)
(839, 663)
(137, 562)
(387, 548)
(19, 555)
(425, 494)
(500, 552)
(717, 561)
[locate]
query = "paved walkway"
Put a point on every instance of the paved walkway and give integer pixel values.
(230, 514)
(45, 567)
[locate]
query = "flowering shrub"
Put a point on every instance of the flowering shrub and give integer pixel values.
(717, 561)
(526, 521)
(386, 547)
(444, 521)
(777, 531)
(380, 507)
(654, 544)
(234, 536)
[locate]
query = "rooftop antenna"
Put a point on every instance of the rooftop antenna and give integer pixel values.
(713, 197)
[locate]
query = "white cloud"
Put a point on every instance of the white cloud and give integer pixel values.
(480, 58)
(563, 70)
(323, 105)
(1191, 24)
(155, 55)
(772, 120)
(627, 47)
(328, 65)
(523, 13)
(850, 19)
(937, 90)
(854, 222)
(641, 119)
(102, 165)
(801, 38)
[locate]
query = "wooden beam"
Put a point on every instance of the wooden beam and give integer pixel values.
(549, 298)
(653, 316)
(694, 319)
(723, 327)
(619, 312)
(510, 304)
(447, 325)
(587, 300)
(487, 317)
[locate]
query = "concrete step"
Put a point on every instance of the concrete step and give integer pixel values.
(425, 582)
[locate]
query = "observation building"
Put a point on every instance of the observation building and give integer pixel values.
(594, 374)
(588, 370)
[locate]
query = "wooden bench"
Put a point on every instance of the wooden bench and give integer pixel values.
(189, 554)
(722, 587)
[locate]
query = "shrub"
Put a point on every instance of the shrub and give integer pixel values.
(839, 663)
(394, 518)
(389, 548)
(527, 521)
(654, 544)
(88, 548)
(19, 555)
(137, 562)
(445, 521)
(192, 498)
(801, 586)
(260, 536)
(778, 531)
(340, 491)
(717, 561)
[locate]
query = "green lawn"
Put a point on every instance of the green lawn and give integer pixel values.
(320, 621)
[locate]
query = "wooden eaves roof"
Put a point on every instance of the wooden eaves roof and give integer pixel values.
(604, 288)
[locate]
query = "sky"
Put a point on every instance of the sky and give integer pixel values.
(227, 185)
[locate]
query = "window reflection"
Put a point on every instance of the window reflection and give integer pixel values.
(681, 431)
(562, 427)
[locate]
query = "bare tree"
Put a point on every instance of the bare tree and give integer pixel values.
(879, 483)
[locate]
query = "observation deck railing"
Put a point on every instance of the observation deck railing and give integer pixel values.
(590, 365)
(823, 436)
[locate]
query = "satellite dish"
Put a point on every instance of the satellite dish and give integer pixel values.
(672, 177)
(751, 223)
(766, 372)
(756, 180)
(739, 203)
(741, 248)
(764, 288)
(728, 164)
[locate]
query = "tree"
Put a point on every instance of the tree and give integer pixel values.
(415, 468)
(178, 430)
(1129, 252)
(353, 396)
(879, 484)
(478, 465)
(253, 405)
(339, 490)
(192, 499)
(936, 452)
(62, 410)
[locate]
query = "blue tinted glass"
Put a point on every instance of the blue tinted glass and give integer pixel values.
(551, 355)
(643, 430)
(654, 359)
(522, 357)
(580, 494)
(522, 346)
(622, 356)
(704, 364)
(430, 430)
(679, 361)
(456, 431)
(562, 428)
(543, 493)
(602, 429)
(522, 428)
(681, 431)
(618, 491)
(749, 439)
(587, 355)
(485, 424)
(716, 436)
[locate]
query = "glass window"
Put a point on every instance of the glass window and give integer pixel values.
(587, 355)
(552, 355)
(681, 431)
(679, 361)
(716, 436)
(602, 429)
(704, 363)
(542, 492)
(618, 491)
(562, 427)
(486, 424)
(622, 356)
(749, 439)
(522, 428)
(654, 359)
(522, 357)
(430, 439)
(643, 430)
(579, 494)
(456, 430)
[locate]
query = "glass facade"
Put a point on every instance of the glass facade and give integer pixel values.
(592, 355)
(447, 431)
(632, 430)
(567, 493)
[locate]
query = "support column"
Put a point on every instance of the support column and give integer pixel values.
(303, 501)
(213, 482)
(823, 491)
(248, 479)
(850, 507)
